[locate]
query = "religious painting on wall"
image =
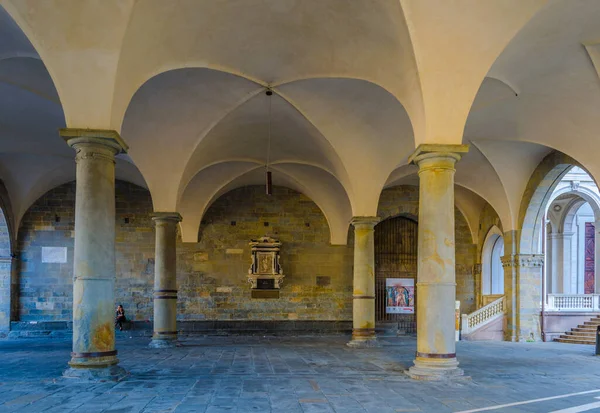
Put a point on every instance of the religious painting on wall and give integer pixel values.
(400, 295)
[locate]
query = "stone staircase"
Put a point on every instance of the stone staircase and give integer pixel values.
(485, 323)
(582, 334)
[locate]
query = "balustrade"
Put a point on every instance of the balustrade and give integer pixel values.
(573, 302)
(484, 315)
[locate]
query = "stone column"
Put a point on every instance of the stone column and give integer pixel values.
(94, 355)
(165, 280)
(522, 291)
(363, 304)
(436, 280)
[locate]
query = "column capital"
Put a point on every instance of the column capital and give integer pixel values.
(101, 137)
(365, 221)
(166, 216)
(433, 150)
(522, 260)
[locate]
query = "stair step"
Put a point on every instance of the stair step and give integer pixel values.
(573, 341)
(579, 336)
(582, 334)
(584, 330)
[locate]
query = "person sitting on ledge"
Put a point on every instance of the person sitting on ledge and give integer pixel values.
(120, 317)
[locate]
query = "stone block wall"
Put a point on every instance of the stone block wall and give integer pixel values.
(465, 260)
(211, 273)
(5, 299)
(5, 275)
(46, 289)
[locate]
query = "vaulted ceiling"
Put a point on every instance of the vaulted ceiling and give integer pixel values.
(357, 86)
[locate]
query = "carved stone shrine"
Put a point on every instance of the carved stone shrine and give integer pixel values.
(265, 271)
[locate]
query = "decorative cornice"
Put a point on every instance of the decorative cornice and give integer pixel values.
(523, 260)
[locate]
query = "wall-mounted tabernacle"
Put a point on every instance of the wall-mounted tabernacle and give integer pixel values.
(265, 271)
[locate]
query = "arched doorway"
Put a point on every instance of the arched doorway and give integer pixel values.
(395, 258)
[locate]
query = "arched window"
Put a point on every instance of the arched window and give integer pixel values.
(492, 275)
(496, 271)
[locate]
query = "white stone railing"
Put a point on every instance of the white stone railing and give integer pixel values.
(573, 302)
(483, 316)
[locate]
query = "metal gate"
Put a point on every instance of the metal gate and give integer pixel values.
(395, 257)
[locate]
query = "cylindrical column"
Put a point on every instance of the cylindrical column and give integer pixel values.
(363, 307)
(94, 354)
(436, 284)
(165, 280)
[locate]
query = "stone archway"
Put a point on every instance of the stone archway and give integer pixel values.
(523, 259)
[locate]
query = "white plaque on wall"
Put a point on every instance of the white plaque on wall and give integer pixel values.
(54, 255)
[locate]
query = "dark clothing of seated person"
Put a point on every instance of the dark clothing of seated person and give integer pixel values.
(120, 317)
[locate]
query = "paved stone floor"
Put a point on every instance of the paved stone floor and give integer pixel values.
(299, 374)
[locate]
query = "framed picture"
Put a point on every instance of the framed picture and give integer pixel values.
(400, 295)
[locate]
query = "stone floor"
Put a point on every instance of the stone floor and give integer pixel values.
(299, 374)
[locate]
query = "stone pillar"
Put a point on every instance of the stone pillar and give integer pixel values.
(477, 276)
(522, 291)
(94, 355)
(551, 262)
(363, 304)
(165, 280)
(436, 278)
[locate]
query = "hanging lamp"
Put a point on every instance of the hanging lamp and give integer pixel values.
(269, 182)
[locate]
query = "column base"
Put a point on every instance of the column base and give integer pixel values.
(435, 370)
(364, 343)
(363, 338)
(111, 373)
(163, 343)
